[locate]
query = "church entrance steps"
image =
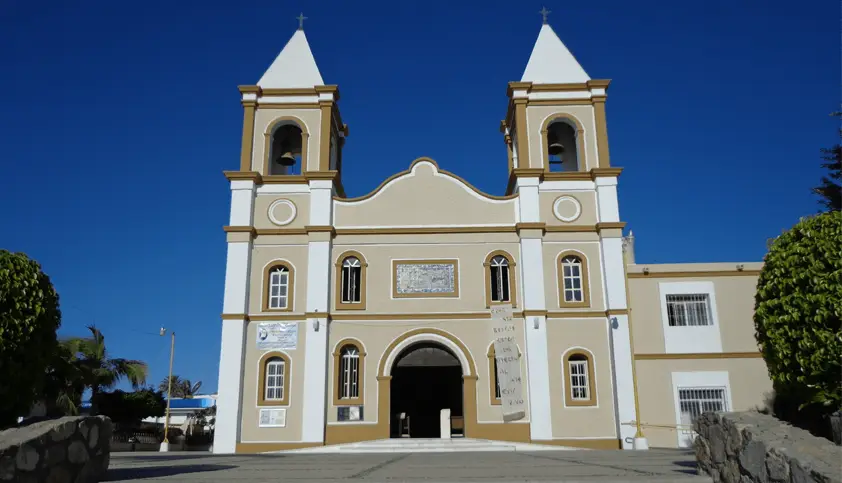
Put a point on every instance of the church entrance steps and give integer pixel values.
(420, 445)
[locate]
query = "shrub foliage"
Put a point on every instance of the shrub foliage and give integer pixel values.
(798, 307)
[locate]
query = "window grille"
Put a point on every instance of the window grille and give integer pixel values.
(349, 373)
(571, 267)
(274, 379)
(278, 287)
(351, 273)
(500, 279)
(688, 310)
(579, 384)
(695, 401)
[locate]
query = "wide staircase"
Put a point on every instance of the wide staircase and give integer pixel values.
(422, 445)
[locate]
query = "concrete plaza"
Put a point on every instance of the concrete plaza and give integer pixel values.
(561, 466)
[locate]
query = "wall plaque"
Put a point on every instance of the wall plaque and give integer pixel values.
(425, 278)
(506, 354)
(272, 418)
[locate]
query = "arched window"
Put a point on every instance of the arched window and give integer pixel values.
(274, 380)
(349, 369)
(350, 281)
(562, 153)
(286, 148)
(499, 279)
(579, 379)
(279, 285)
(573, 283)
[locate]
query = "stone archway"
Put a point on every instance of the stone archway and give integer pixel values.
(407, 344)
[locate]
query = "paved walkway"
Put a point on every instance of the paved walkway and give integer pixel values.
(567, 466)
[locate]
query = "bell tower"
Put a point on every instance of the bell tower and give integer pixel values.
(292, 128)
(556, 135)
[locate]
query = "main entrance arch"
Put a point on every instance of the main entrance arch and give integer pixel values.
(424, 371)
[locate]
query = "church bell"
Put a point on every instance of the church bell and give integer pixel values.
(555, 149)
(287, 159)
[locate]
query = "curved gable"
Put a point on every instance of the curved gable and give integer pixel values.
(424, 195)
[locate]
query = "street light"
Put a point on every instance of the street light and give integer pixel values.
(165, 445)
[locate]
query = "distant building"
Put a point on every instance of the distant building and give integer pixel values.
(182, 409)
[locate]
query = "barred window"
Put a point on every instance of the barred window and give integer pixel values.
(693, 402)
(500, 279)
(579, 384)
(351, 274)
(688, 310)
(278, 287)
(274, 384)
(349, 373)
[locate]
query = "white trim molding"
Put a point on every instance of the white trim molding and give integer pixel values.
(687, 339)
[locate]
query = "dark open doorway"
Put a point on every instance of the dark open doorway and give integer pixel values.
(426, 378)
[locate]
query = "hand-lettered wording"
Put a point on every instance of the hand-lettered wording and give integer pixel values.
(508, 363)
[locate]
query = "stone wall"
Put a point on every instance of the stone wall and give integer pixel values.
(752, 447)
(69, 449)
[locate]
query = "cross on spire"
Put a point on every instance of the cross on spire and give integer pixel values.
(301, 18)
(544, 13)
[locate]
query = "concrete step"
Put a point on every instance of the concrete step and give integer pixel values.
(428, 446)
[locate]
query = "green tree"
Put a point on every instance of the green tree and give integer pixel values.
(29, 318)
(830, 190)
(129, 408)
(798, 305)
(65, 384)
(180, 387)
(98, 370)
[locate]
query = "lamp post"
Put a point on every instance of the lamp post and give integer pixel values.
(165, 445)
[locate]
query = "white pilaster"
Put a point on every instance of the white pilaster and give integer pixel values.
(532, 277)
(615, 290)
(235, 304)
(318, 294)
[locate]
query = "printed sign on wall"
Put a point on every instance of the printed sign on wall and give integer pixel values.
(508, 363)
(277, 335)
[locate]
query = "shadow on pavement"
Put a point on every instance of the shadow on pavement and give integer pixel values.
(689, 467)
(123, 474)
(154, 457)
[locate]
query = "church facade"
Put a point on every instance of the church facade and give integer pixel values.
(354, 319)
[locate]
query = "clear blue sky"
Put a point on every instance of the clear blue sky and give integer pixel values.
(118, 119)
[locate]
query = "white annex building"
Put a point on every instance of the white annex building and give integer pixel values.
(367, 318)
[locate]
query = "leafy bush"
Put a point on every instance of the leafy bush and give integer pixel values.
(798, 307)
(29, 318)
(129, 408)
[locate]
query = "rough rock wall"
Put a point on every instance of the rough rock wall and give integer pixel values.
(70, 449)
(752, 447)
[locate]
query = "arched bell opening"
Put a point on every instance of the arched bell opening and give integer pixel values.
(562, 149)
(286, 149)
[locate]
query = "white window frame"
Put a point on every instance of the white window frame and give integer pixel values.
(499, 262)
(274, 300)
(279, 375)
(583, 364)
(690, 310)
(581, 277)
(348, 264)
(349, 367)
(697, 380)
(688, 339)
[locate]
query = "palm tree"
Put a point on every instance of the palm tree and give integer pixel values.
(98, 371)
(180, 387)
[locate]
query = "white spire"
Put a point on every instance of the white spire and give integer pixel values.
(551, 62)
(294, 66)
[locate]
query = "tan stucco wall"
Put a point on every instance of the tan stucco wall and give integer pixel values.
(581, 422)
(250, 431)
(535, 117)
(264, 201)
(735, 311)
(399, 203)
(376, 336)
(586, 199)
(551, 274)
(260, 257)
(749, 381)
(264, 117)
(379, 275)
